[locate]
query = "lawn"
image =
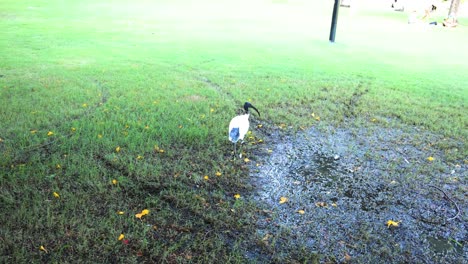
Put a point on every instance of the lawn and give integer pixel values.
(112, 107)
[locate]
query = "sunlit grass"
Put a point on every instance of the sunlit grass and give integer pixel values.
(146, 77)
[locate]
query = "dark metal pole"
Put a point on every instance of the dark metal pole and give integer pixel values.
(334, 20)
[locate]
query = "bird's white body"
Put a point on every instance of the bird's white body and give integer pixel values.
(239, 126)
(241, 123)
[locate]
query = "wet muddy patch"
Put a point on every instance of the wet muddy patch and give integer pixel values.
(332, 191)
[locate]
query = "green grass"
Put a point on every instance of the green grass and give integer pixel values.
(140, 75)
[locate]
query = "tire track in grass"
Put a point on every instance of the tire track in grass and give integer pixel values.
(24, 155)
(227, 96)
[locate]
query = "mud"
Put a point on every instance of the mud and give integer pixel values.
(342, 185)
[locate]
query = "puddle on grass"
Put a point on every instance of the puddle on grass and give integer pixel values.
(343, 185)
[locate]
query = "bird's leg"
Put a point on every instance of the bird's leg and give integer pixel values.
(240, 149)
(234, 149)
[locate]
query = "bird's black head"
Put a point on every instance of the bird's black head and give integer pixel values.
(248, 105)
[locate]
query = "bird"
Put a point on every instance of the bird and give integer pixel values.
(239, 125)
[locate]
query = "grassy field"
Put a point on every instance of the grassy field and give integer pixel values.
(112, 107)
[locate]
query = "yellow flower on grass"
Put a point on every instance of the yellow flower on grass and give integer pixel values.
(237, 196)
(246, 160)
(56, 195)
(301, 211)
(144, 212)
(42, 248)
(114, 181)
(392, 223)
(50, 133)
(122, 236)
(34, 131)
(283, 200)
(120, 212)
(218, 173)
(158, 149)
(117, 149)
(206, 177)
(73, 129)
(84, 105)
(99, 135)
(316, 117)
(139, 157)
(430, 158)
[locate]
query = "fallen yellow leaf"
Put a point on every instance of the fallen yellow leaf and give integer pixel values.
(206, 177)
(120, 212)
(237, 196)
(321, 204)
(114, 181)
(218, 173)
(283, 200)
(43, 249)
(56, 195)
(301, 211)
(122, 236)
(392, 223)
(266, 237)
(430, 158)
(117, 149)
(246, 160)
(139, 215)
(50, 133)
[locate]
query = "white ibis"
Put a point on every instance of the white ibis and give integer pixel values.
(239, 125)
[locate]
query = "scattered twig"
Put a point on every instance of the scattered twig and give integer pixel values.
(450, 199)
(403, 155)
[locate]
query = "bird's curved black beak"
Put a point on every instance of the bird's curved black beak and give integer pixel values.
(248, 105)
